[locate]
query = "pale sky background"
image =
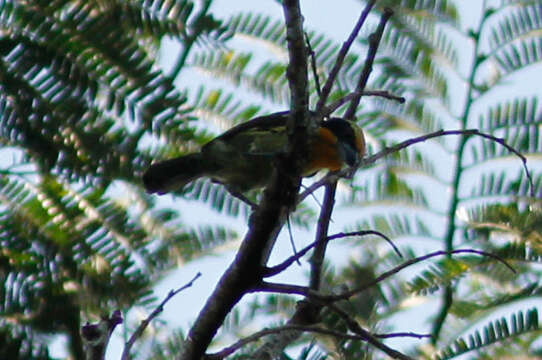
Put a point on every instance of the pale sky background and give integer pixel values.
(335, 19)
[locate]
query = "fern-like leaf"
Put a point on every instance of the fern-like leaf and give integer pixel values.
(520, 23)
(519, 112)
(494, 332)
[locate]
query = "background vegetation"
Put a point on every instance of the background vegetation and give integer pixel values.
(85, 106)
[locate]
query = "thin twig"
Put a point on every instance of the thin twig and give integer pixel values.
(326, 90)
(272, 271)
(313, 65)
(328, 110)
(269, 287)
(469, 132)
(374, 42)
(313, 196)
(317, 259)
(306, 291)
(141, 328)
(411, 262)
(292, 242)
(289, 261)
(370, 160)
(316, 329)
(366, 232)
(354, 326)
(401, 334)
(328, 178)
(240, 196)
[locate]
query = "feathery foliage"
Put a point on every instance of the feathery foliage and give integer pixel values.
(80, 91)
(85, 107)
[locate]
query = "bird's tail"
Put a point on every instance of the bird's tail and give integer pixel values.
(175, 173)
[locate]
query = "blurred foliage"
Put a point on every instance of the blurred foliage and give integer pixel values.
(81, 94)
(85, 106)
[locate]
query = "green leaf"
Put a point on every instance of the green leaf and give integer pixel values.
(494, 332)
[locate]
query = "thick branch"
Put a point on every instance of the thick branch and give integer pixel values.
(306, 313)
(96, 336)
(300, 127)
(278, 199)
(296, 72)
(246, 269)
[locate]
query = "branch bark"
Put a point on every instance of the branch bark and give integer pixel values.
(362, 336)
(278, 199)
(326, 298)
(96, 336)
(307, 312)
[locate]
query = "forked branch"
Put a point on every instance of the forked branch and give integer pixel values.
(371, 160)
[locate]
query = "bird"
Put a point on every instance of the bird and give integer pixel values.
(242, 157)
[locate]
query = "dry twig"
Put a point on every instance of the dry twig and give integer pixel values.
(370, 160)
(372, 339)
(306, 291)
(326, 90)
(139, 331)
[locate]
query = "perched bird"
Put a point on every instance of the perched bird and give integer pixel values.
(242, 157)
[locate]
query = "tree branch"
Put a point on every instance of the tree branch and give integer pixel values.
(96, 336)
(395, 270)
(374, 42)
(316, 329)
(271, 271)
(468, 132)
(278, 199)
(296, 72)
(313, 65)
(141, 328)
(317, 259)
(300, 128)
(328, 110)
(341, 56)
(246, 269)
(366, 232)
(370, 160)
(311, 294)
